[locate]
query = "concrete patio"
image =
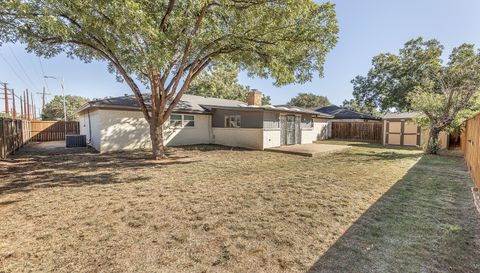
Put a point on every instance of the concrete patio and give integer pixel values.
(50, 148)
(310, 150)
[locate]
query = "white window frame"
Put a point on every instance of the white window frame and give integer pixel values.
(306, 125)
(183, 121)
(232, 121)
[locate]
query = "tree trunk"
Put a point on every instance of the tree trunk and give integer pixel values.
(156, 135)
(433, 145)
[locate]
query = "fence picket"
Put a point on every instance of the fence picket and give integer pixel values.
(53, 130)
(15, 133)
(362, 131)
(470, 141)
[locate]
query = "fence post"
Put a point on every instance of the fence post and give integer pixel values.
(4, 141)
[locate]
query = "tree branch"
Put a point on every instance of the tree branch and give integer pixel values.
(163, 23)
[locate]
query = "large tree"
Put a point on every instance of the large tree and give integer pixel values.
(417, 80)
(166, 43)
(392, 77)
(221, 81)
(450, 96)
(354, 105)
(309, 100)
(54, 109)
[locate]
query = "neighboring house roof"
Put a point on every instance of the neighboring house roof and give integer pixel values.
(193, 104)
(344, 113)
(404, 115)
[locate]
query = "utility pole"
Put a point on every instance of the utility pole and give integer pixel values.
(22, 116)
(34, 114)
(28, 106)
(44, 94)
(6, 98)
(24, 106)
(14, 114)
(64, 103)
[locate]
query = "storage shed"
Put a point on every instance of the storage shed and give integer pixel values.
(401, 130)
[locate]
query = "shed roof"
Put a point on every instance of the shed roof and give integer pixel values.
(344, 113)
(401, 115)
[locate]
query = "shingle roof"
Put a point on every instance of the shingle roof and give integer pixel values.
(194, 104)
(344, 113)
(406, 115)
(188, 103)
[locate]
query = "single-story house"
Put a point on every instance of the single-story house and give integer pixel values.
(400, 129)
(115, 124)
(344, 115)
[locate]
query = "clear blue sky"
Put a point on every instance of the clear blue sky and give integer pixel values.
(367, 28)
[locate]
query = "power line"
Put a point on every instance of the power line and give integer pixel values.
(43, 73)
(14, 71)
(21, 67)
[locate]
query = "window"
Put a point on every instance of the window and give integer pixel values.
(232, 121)
(307, 122)
(182, 120)
(188, 121)
(175, 120)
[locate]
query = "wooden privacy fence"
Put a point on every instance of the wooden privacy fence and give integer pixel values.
(53, 130)
(362, 131)
(470, 141)
(14, 133)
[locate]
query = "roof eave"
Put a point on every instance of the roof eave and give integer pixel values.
(132, 108)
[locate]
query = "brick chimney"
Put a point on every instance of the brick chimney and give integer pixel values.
(254, 97)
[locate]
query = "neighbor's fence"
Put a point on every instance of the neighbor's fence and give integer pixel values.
(14, 133)
(470, 140)
(53, 130)
(360, 131)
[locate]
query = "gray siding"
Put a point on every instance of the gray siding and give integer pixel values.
(249, 119)
(271, 120)
(255, 119)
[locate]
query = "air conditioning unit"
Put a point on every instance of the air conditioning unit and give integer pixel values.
(72, 141)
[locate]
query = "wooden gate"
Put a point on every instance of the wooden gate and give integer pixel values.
(53, 130)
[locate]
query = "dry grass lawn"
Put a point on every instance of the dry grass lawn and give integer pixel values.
(219, 210)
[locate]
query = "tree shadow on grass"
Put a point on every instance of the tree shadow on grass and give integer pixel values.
(387, 155)
(424, 223)
(29, 170)
(364, 144)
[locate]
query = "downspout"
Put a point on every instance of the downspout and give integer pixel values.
(211, 137)
(89, 128)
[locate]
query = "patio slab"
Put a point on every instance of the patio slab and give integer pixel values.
(311, 150)
(50, 148)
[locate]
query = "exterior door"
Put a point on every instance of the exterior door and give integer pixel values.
(298, 131)
(283, 130)
(290, 130)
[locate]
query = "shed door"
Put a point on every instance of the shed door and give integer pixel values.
(394, 133)
(404, 133)
(410, 134)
